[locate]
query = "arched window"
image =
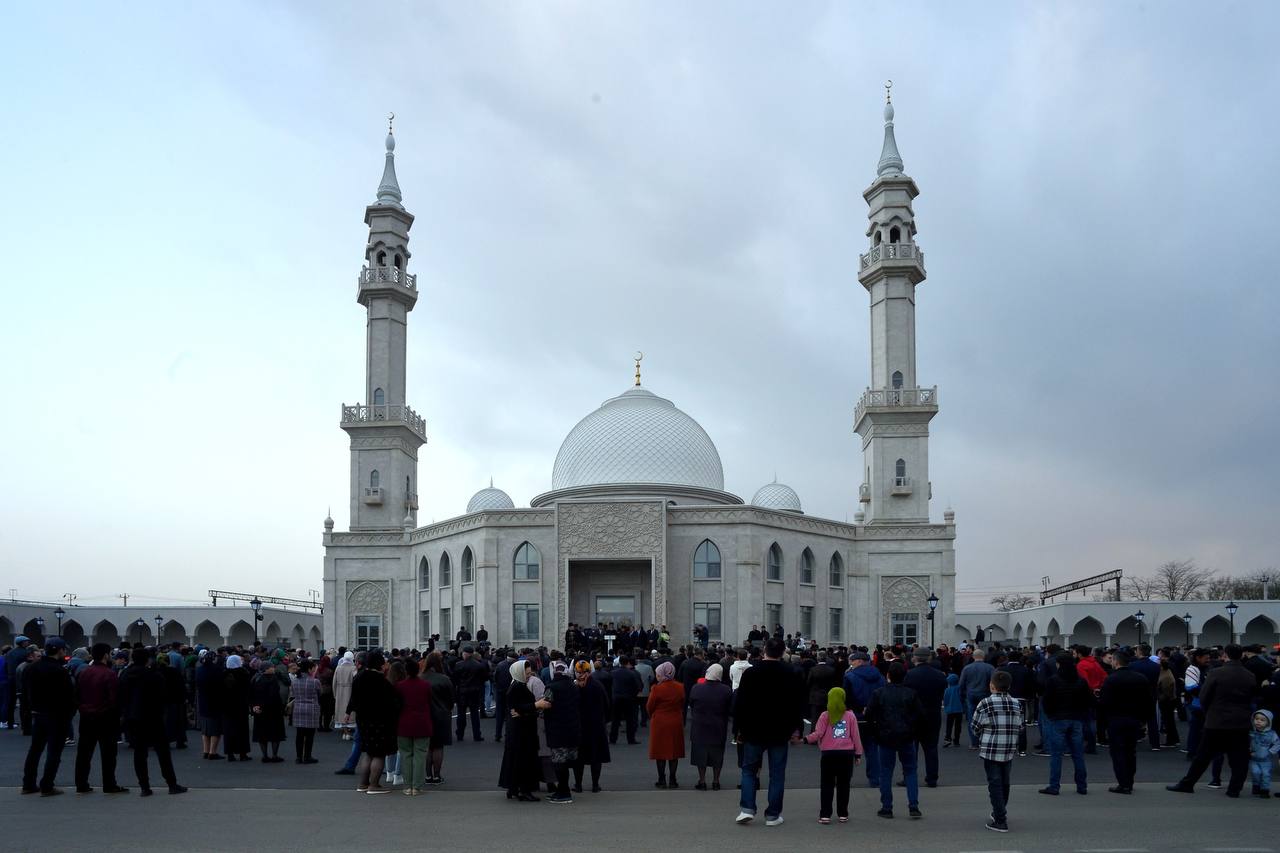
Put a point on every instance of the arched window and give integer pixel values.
(424, 574)
(446, 570)
(897, 379)
(378, 397)
(895, 234)
(836, 571)
(399, 262)
(900, 472)
(527, 563)
(775, 563)
(373, 479)
(877, 239)
(382, 259)
(468, 566)
(806, 566)
(706, 560)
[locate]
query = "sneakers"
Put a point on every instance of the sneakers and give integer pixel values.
(997, 825)
(1053, 792)
(915, 813)
(1117, 789)
(773, 821)
(885, 813)
(397, 779)
(560, 799)
(1215, 783)
(52, 792)
(744, 818)
(177, 789)
(1180, 788)
(825, 821)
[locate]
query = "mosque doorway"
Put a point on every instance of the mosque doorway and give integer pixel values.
(611, 591)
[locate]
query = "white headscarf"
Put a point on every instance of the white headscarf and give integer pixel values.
(519, 671)
(347, 658)
(234, 662)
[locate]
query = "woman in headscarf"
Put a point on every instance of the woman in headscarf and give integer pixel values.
(305, 695)
(209, 702)
(593, 712)
(324, 678)
(268, 712)
(560, 715)
(376, 707)
(441, 714)
(235, 709)
(836, 733)
(709, 705)
(666, 723)
(342, 678)
(521, 769)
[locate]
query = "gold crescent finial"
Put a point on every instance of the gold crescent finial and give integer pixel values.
(391, 117)
(639, 358)
(887, 94)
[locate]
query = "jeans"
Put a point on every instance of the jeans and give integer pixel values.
(413, 759)
(888, 755)
(752, 757)
(954, 722)
(354, 757)
(5, 705)
(970, 705)
(1067, 735)
(48, 735)
(1123, 736)
(998, 773)
(871, 758)
(835, 768)
(929, 746)
(1260, 773)
(624, 711)
(391, 763)
(100, 732)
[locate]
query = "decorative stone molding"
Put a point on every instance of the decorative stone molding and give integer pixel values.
(917, 531)
(367, 538)
(902, 595)
(385, 442)
(761, 516)
(367, 598)
(610, 530)
(493, 518)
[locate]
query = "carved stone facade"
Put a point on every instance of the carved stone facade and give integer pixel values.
(610, 530)
(902, 595)
(368, 598)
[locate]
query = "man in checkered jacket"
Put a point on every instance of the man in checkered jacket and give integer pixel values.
(996, 723)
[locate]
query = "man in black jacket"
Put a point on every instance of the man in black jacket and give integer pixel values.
(1226, 698)
(626, 692)
(896, 715)
(469, 677)
(142, 703)
(47, 690)
(929, 683)
(768, 712)
(1022, 686)
(1124, 700)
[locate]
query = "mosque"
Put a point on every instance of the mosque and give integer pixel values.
(637, 526)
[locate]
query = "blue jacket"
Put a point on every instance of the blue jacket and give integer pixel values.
(951, 702)
(1266, 743)
(859, 684)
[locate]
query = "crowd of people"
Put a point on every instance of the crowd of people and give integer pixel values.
(558, 712)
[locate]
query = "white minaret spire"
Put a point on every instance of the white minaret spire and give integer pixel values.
(385, 432)
(894, 413)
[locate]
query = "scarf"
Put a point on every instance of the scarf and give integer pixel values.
(835, 705)
(234, 662)
(519, 671)
(665, 672)
(715, 672)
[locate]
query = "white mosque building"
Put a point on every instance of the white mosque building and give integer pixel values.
(637, 526)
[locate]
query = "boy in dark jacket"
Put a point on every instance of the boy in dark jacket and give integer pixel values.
(895, 714)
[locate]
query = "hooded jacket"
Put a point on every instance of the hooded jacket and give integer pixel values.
(859, 684)
(951, 701)
(1266, 743)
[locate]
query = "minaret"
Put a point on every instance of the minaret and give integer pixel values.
(894, 413)
(385, 432)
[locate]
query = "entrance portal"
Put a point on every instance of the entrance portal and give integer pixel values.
(610, 591)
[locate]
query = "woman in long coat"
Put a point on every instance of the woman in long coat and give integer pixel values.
(305, 695)
(709, 704)
(324, 677)
(342, 678)
(441, 713)
(594, 712)
(235, 710)
(666, 723)
(521, 768)
(376, 707)
(268, 713)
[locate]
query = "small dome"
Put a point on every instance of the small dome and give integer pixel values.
(777, 496)
(328, 522)
(490, 498)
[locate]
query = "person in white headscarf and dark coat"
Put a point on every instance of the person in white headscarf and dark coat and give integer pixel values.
(235, 709)
(521, 768)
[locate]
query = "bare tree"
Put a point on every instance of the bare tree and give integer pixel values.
(1136, 588)
(1180, 580)
(1245, 587)
(1011, 601)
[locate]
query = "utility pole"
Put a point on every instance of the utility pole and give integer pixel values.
(124, 596)
(70, 597)
(315, 595)
(13, 593)
(1266, 582)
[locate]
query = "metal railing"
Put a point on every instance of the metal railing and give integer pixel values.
(891, 251)
(388, 275)
(889, 397)
(361, 414)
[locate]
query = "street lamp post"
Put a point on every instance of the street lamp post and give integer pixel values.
(1186, 618)
(58, 614)
(257, 606)
(1138, 617)
(933, 606)
(158, 620)
(1231, 612)
(40, 628)
(141, 625)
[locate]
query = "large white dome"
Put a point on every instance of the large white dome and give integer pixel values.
(638, 437)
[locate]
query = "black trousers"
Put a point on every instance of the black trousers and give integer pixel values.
(1213, 742)
(624, 711)
(469, 702)
(998, 773)
(1122, 734)
(100, 732)
(304, 740)
(48, 736)
(1153, 726)
(929, 745)
(955, 725)
(1169, 721)
(500, 713)
(146, 737)
(836, 770)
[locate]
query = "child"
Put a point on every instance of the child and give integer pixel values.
(996, 723)
(841, 749)
(954, 706)
(1264, 744)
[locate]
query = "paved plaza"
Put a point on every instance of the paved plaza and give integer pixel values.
(290, 807)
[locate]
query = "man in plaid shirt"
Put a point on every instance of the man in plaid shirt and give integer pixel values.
(997, 721)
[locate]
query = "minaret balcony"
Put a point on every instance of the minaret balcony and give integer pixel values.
(383, 278)
(893, 257)
(373, 496)
(360, 415)
(896, 399)
(901, 486)
(864, 493)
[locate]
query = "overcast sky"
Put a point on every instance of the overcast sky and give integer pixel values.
(182, 228)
